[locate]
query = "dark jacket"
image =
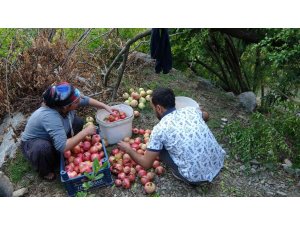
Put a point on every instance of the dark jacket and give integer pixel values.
(161, 50)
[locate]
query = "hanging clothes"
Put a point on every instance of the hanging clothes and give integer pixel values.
(161, 50)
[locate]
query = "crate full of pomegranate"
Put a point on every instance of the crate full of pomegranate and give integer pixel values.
(86, 162)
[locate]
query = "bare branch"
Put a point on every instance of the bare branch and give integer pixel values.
(72, 50)
(127, 46)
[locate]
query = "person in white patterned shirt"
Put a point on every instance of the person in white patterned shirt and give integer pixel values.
(182, 140)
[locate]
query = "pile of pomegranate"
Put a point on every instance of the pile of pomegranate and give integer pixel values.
(79, 159)
(115, 116)
(127, 170)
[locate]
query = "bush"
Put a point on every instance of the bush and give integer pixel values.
(267, 138)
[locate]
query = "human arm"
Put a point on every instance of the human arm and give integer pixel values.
(99, 105)
(145, 160)
(71, 142)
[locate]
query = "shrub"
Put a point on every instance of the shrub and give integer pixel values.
(268, 138)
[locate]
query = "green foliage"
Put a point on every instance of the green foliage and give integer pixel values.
(17, 167)
(94, 175)
(267, 138)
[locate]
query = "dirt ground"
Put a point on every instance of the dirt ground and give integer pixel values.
(234, 179)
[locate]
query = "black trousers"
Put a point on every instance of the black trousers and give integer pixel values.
(166, 158)
(42, 155)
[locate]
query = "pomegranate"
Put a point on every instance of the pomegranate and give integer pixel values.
(126, 170)
(93, 150)
(135, 130)
(141, 131)
(148, 131)
(77, 161)
(86, 156)
(119, 168)
(138, 168)
(126, 139)
(132, 171)
(142, 173)
(118, 182)
(94, 156)
(86, 145)
(121, 176)
(69, 168)
(155, 164)
(98, 145)
(149, 187)
(67, 154)
(159, 170)
(126, 183)
(101, 154)
(118, 156)
(111, 159)
(72, 174)
(115, 151)
(150, 176)
(144, 180)
(71, 159)
(95, 138)
(126, 156)
(138, 140)
(140, 151)
(88, 138)
(136, 113)
(131, 177)
(134, 145)
(76, 149)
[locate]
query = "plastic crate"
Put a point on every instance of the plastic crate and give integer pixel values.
(74, 185)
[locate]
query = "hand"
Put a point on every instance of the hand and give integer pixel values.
(108, 109)
(124, 146)
(90, 130)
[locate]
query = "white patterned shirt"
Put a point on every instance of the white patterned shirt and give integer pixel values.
(190, 143)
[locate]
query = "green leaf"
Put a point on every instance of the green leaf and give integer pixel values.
(99, 176)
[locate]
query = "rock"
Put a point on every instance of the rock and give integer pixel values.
(230, 94)
(9, 145)
(6, 187)
(248, 100)
(254, 162)
(280, 193)
(224, 120)
(204, 83)
(140, 58)
(288, 162)
(288, 169)
(21, 192)
(297, 172)
(253, 171)
(270, 193)
(242, 168)
(222, 126)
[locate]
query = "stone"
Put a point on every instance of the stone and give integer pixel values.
(288, 169)
(281, 193)
(6, 187)
(248, 101)
(21, 192)
(297, 172)
(242, 168)
(253, 171)
(254, 162)
(230, 94)
(288, 162)
(9, 144)
(224, 120)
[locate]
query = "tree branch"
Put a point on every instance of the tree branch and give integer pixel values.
(127, 46)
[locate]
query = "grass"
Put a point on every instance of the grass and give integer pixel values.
(17, 167)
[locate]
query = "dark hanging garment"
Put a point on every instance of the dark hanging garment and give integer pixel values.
(161, 50)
